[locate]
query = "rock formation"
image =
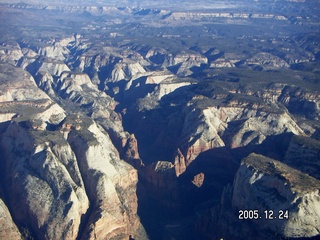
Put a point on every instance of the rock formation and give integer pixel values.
(285, 202)
(8, 229)
(267, 61)
(110, 184)
(59, 182)
(292, 190)
(114, 120)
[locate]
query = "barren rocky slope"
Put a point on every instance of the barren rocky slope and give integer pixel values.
(123, 123)
(8, 228)
(64, 178)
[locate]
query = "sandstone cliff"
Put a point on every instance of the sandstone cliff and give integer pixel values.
(48, 195)
(64, 178)
(10, 52)
(110, 185)
(8, 229)
(232, 125)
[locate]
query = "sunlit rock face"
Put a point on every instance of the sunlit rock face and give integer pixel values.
(211, 128)
(9, 229)
(262, 183)
(69, 178)
(10, 52)
(111, 186)
(61, 169)
(22, 86)
(44, 183)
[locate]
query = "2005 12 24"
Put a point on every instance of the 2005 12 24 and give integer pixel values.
(266, 214)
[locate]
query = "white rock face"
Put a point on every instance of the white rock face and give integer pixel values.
(79, 88)
(184, 61)
(53, 114)
(99, 155)
(110, 183)
(262, 125)
(22, 97)
(29, 53)
(74, 85)
(56, 50)
(201, 131)
(301, 101)
(267, 61)
(22, 86)
(209, 128)
(54, 68)
(47, 193)
(126, 70)
(158, 77)
(196, 58)
(154, 78)
(64, 42)
(221, 62)
(53, 183)
(4, 117)
(8, 228)
(78, 78)
(167, 87)
(10, 53)
(187, 16)
(45, 82)
(265, 184)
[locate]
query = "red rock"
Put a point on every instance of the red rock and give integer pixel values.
(179, 163)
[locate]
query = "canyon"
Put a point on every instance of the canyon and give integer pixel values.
(142, 122)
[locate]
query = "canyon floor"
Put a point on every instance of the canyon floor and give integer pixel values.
(160, 120)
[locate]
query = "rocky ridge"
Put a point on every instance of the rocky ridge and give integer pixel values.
(58, 169)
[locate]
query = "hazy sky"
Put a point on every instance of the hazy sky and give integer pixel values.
(164, 4)
(176, 4)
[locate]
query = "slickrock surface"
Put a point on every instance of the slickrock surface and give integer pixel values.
(8, 228)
